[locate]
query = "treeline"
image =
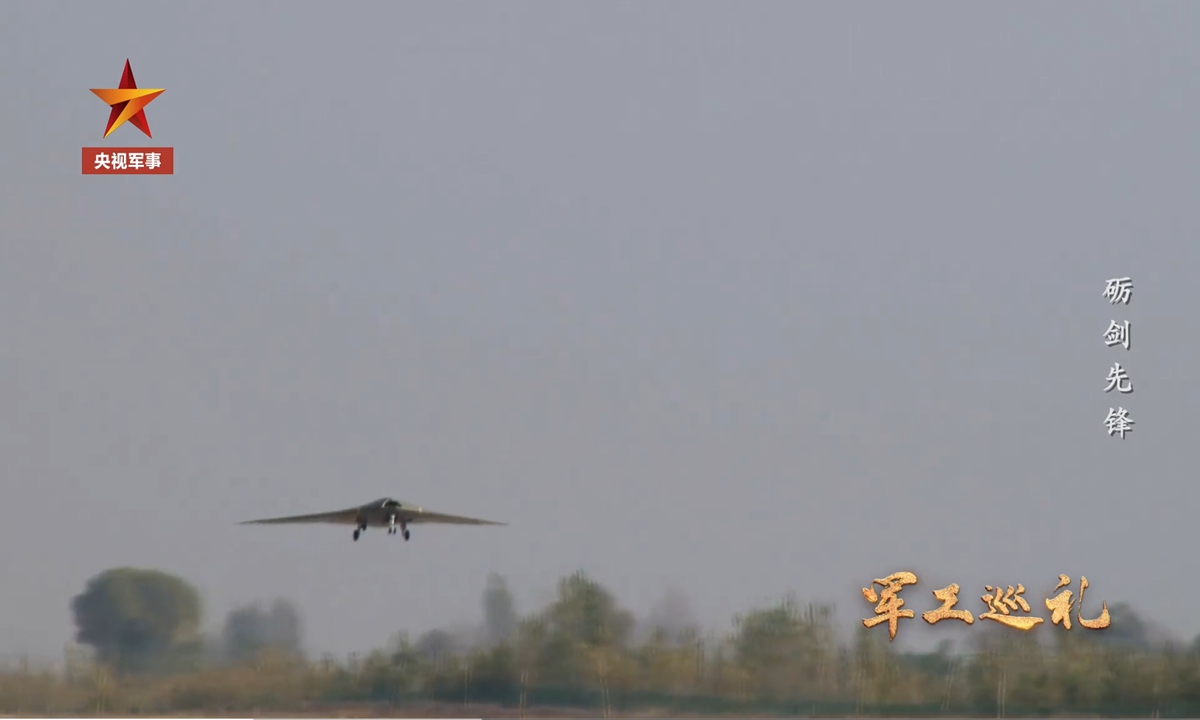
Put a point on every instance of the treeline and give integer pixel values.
(146, 621)
(148, 656)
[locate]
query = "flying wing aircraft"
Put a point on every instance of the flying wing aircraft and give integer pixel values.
(384, 512)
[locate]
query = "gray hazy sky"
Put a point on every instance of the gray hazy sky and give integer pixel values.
(741, 298)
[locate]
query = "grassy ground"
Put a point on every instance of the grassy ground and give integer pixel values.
(423, 710)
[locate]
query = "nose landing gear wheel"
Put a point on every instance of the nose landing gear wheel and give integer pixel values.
(356, 533)
(406, 534)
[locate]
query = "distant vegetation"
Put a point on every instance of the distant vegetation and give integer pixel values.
(141, 652)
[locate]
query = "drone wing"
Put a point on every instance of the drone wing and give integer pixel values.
(349, 516)
(426, 516)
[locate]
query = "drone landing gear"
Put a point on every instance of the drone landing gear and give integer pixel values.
(394, 527)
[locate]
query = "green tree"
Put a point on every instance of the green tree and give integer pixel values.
(436, 646)
(785, 648)
(499, 610)
(250, 630)
(572, 641)
(586, 612)
(1128, 630)
(136, 618)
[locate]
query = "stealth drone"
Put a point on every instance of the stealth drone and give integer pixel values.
(384, 512)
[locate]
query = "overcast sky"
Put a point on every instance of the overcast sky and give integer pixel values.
(739, 298)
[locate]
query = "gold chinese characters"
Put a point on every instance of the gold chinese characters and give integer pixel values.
(888, 610)
(1060, 607)
(1005, 605)
(1117, 422)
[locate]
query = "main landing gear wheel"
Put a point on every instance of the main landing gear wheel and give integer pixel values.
(406, 534)
(356, 533)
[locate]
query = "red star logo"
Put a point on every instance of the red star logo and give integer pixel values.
(127, 102)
